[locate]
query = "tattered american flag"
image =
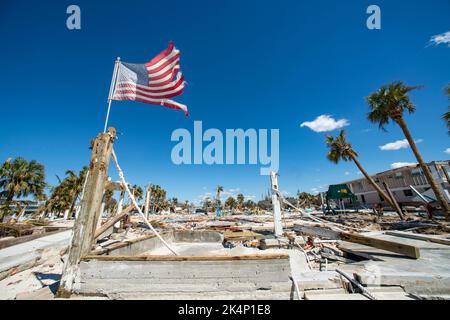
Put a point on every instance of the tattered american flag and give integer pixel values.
(154, 82)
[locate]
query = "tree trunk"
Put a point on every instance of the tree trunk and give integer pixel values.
(377, 187)
(426, 170)
(6, 204)
(72, 207)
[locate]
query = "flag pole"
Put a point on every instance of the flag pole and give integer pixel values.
(112, 88)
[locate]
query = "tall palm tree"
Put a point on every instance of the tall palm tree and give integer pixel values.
(20, 178)
(65, 195)
(446, 116)
(389, 103)
(219, 189)
(74, 185)
(340, 149)
(240, 200)
(157, 197)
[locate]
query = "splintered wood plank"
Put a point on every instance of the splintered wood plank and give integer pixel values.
(324, 232)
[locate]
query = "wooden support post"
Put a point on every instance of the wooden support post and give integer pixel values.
(86, 223)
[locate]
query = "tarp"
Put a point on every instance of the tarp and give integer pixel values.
(339, 191)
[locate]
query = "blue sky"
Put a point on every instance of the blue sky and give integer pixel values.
(249, 64)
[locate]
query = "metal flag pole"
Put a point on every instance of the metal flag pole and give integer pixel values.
(112, 88)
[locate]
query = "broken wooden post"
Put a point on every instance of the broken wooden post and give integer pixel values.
(112, 221)
(84, 228)
(278, 228)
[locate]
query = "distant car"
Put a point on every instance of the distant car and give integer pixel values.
(200, 211)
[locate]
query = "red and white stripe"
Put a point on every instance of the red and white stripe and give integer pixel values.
(164, 81)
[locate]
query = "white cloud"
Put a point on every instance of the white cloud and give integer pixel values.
(396, 165)
(315, 190)
(443, 38)
(347, 173)
(447, 151)
(325, 123)
(285, 193)
(358, 172)
(397, 145)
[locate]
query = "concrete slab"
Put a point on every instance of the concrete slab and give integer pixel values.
(25, 252)
(428, 275)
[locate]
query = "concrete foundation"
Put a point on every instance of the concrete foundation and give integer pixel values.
(126, 271)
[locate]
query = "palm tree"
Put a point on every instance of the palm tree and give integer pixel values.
(65, 195)
(110, 202)
(389, 103)
(219, 189)
(74, 185)
(20, 178)
(186, 206)
(137, 192)
(173, 203)
(250, 205)
(240, 200)
(340, 149)
(230, 203)
(157, 197)
(446, 116)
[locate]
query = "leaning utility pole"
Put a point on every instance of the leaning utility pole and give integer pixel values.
(84, 228)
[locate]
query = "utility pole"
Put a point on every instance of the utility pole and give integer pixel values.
(147, 200)
(278, 227)
(91, 203)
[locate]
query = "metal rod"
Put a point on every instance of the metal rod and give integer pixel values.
(112, 88)
(356, 283)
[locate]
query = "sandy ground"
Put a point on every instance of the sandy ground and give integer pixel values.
(44, 275)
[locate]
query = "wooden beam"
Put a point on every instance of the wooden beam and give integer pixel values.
(112, 221)
(187, 258)
(317, 230)
(324, 232)
(85, 224)
(418, 237)
(400, 248)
